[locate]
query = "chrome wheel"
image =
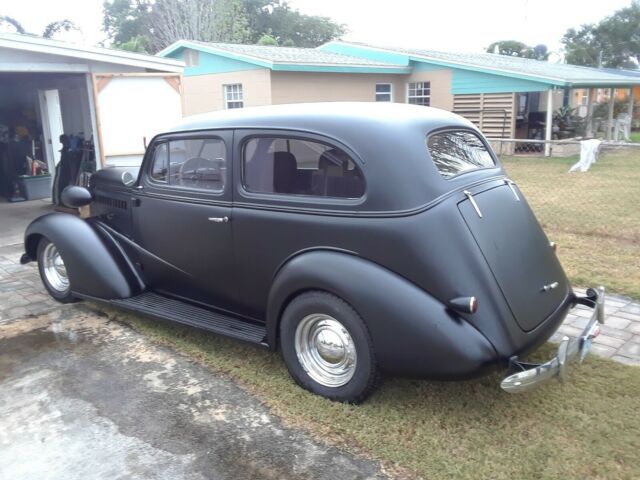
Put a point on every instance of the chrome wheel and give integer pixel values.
(54, 270)
(325, 350)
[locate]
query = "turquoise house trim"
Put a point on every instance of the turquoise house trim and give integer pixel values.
(466, 81)
(209, 63)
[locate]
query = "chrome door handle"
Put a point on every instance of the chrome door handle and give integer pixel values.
(219, 219)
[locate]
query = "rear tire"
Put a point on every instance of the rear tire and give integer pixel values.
(53, 272)
(327, 348)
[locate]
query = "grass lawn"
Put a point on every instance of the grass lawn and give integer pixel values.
(594, 217)
(587, 428)
(635, 137)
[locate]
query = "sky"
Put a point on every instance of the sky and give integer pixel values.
(449, 25)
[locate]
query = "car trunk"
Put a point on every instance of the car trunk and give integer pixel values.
(517, 251)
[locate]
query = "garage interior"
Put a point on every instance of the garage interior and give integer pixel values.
(46, 134)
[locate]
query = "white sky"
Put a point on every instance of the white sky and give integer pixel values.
(450, 25)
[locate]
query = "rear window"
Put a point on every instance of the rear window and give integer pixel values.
(456, 152)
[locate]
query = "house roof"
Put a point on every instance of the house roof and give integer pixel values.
(32, 43)
(553, 73)
(288, 58)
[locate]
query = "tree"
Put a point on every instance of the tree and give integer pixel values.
(267, 39)
(6, 20)
(49, 31)
(514, 48)
(613, 42)
(162, 22)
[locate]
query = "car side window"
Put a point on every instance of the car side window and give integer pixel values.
(295, 166)
(194, 163)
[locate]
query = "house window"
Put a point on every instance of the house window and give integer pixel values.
(584, 100)
(191, 58)
(383, 92)
(233, 96)
(419, 93)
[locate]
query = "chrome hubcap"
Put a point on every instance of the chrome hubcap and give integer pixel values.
(54, 269)
(325, 350)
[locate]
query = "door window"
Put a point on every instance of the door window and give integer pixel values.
(195, 163)
(299, 167)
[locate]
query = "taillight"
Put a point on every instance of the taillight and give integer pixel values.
(554, 246)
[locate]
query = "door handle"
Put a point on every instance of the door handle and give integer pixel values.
(219, 219)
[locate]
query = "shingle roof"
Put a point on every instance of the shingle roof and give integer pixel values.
(569, 74)
(290, 55)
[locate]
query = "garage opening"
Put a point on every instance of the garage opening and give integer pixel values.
(46, 134)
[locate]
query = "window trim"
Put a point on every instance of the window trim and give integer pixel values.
(225, 96)
(178, 190)
(418, 96)
(385, 93)
(440, 130)
(314, 202)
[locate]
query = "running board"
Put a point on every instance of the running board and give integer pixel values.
(167, 308)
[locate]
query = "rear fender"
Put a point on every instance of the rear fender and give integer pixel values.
(94, 263)
(413, 333)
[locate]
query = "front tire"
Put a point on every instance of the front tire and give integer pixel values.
(53, 272)
(327, 348)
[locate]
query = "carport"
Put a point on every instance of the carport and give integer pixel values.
(67, 110)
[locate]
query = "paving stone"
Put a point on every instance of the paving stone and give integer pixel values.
(626, 360)
(630, 316)
(602, 350)
(634, 328)
(632, 308)
(617, 322)
(616, 303)
(609, 341)
(569, 331)
(630, 349)
(617, 333)
(583, 313)
(16, 312)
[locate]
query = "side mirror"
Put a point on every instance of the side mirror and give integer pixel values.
(75, 197)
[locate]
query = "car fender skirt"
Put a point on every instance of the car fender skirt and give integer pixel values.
(95, 268)
(413, 334)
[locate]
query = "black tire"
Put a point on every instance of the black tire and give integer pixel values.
(62, 295)
(365, 378)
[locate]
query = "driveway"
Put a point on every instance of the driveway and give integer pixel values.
(85, 398)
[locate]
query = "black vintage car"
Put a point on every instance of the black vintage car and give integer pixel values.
(357, 238)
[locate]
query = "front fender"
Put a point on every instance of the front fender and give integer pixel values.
(413, 333)
(94, 267)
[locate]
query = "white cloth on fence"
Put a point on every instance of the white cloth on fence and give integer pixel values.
(588, 155)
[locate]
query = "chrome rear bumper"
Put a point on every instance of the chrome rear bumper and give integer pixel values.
(524, 376)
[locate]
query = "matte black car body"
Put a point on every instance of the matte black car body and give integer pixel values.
(398, 255)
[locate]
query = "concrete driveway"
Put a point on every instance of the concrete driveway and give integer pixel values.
(85, 398)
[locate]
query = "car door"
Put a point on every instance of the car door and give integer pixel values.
(182, 217)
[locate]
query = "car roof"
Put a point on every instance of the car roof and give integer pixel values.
(325, 116)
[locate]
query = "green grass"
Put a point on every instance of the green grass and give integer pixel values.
(635, 137)
(587, 428)
(594, 217)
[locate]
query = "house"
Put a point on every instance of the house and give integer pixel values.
(108, 100)
(506, 97)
